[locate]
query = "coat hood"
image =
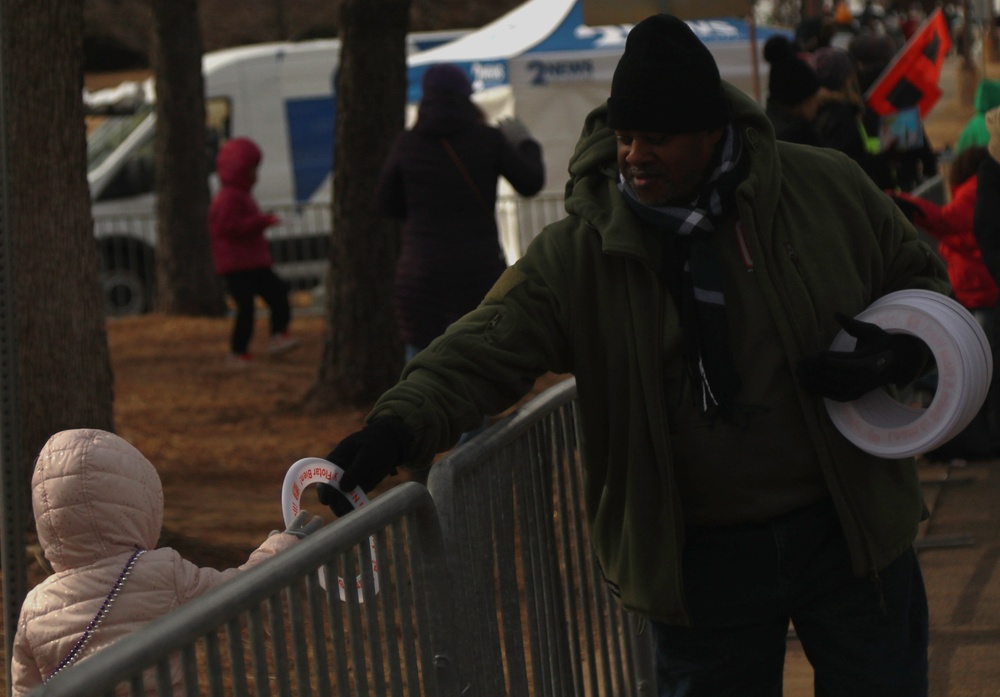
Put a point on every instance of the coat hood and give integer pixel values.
(443, 114)
(94, 496)
(236, 162)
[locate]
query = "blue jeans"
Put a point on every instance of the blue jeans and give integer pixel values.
(743, 585)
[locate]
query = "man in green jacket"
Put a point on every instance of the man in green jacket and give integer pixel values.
(693, 289)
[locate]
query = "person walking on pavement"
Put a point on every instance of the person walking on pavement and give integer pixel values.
(792, 93)
(693, 290)
(440, 180)
(240, 252)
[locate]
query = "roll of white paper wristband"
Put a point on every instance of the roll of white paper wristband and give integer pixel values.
(879, 424)
(316, 470)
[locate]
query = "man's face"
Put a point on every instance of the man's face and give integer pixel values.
(666, 169)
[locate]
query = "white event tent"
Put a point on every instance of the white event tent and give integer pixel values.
(541, 63)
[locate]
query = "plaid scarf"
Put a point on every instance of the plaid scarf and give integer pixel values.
(694, 277)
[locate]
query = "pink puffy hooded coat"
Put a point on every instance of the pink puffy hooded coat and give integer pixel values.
(96, 500)
(235, 223)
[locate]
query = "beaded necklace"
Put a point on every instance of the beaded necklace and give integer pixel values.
(78, 647)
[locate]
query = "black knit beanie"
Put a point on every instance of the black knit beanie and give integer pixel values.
(666, 81)
(791, 79)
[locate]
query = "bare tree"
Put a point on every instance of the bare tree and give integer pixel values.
(362, 352)
(185, 281)
(53, 333)
(65, 368)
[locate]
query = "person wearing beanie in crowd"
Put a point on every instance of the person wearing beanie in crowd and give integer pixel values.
(693, 289)
(792, 93)
(839, 121)
(891, 166)
(440, 180)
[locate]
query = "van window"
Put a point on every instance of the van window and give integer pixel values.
(112, 132)
(137, 174)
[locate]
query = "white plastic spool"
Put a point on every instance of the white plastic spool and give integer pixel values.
(880, 425)
(316, 470)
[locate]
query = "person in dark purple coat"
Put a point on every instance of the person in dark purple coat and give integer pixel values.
(440, 179)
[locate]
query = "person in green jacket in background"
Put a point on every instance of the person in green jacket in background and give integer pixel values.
(974, 132)
(693, 290)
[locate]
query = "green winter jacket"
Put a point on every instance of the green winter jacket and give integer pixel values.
(586, 299)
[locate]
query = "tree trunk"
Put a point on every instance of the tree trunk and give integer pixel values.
(65, 368)
(185, 281)
(362, 352)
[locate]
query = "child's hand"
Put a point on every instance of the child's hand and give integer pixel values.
(300, 528)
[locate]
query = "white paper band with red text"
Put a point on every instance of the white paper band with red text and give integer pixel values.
(879, 424)
(316, 470)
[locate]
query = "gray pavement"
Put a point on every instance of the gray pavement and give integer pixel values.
(959, 551)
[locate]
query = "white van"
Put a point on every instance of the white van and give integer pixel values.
(540, 61)
(282, 95)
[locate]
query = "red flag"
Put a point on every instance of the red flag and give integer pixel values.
(911, 79)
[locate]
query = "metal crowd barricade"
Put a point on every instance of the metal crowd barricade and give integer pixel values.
(300, 245)
(275, 630)
(542, 621)
(483, 584)
(934, 189)
(520, 220)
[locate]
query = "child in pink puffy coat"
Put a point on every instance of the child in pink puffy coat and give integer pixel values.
(98, 506)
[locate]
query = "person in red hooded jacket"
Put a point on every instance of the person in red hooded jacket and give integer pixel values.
(952, 226)
(240, 252)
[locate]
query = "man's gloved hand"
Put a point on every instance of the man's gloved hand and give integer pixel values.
(514, 130)
(302, 526)
(367, 457)
(879, 358)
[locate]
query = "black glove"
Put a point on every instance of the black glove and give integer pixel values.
(879, 358)
(367, 457)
